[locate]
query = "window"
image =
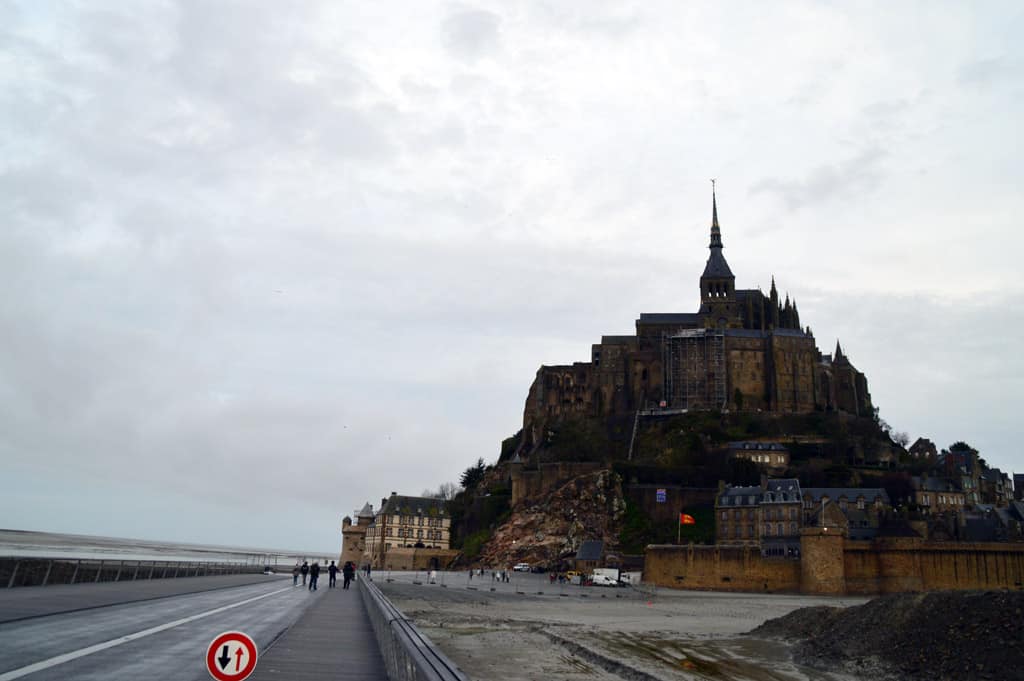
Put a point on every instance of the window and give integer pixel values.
(767, 530)
(736, 514)
(792, 514)
(860, 503)
(725, 515)
(792, 528)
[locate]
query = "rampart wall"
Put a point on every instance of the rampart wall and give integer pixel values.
(832, 564)
(547, 477)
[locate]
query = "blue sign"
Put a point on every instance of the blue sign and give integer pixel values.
(661, 496)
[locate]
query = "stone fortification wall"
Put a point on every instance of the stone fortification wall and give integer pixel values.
(721, 568)
(830, 564)
(527, 484)
(894, 565)
(418, 559)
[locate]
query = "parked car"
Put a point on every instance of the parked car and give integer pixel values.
(521, 567)
(603, 580)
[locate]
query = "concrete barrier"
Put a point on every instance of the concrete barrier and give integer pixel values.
(408, 654)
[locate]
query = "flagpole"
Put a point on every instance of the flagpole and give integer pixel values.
(679, 530)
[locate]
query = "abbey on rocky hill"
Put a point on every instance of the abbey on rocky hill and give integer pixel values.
(741, 350)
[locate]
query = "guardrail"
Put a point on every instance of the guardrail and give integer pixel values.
(47, 571)
(408, 654)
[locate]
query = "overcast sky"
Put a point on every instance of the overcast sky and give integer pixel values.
(265, 262)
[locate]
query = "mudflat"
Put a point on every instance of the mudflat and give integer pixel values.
(530, 629)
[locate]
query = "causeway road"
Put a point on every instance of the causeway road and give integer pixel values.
(153, 630)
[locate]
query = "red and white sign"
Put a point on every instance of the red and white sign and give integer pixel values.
(231, 656)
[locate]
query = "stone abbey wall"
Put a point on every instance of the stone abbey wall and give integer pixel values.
(546, 477)
(830, 564)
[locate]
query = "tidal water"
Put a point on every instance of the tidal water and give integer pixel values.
(26, 544)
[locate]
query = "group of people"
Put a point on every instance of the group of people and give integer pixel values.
(496, 575)
(312, 572)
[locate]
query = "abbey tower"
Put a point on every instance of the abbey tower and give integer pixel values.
(741, 350)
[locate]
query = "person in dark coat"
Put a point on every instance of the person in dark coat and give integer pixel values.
(305, 571)
(314, 575)
(349, 571)
(332, 572)
(295, 574)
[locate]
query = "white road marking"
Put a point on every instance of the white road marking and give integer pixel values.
(82, 652)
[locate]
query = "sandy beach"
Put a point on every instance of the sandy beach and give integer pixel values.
(530, 630)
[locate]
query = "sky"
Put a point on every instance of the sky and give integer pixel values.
(265, 262)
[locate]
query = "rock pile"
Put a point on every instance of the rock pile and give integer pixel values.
(933, 636)
(546, 530)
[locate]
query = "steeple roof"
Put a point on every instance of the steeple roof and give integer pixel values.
(716, 267)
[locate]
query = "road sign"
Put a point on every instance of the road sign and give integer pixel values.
(231, 656)
(660, 496)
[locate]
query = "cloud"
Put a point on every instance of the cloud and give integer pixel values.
(850, 178)
(471, 33)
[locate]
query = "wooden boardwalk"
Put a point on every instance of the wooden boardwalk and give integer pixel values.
(332, 640)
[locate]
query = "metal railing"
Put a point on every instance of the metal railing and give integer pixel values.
(49, 571)
(408, 654)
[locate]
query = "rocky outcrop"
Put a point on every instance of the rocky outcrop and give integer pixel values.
(548, 529)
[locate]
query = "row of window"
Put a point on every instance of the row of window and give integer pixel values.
(768, 530)
(769, 514)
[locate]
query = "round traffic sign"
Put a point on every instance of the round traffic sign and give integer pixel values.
(231, 656)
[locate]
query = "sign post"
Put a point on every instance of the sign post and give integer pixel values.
(231, 656)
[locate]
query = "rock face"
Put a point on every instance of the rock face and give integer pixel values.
(549, 529)
(918, 637)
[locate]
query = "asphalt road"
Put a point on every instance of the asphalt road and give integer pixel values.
(163, 638)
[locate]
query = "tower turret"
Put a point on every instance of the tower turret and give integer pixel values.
(717, 284)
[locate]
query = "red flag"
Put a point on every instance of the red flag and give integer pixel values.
(686, 519)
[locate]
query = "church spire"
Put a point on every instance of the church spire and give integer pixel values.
(716, 232)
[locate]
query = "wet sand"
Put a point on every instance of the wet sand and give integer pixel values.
(514, 633)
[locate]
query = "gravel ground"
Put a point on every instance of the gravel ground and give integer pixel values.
(937, 636)
(515, 633)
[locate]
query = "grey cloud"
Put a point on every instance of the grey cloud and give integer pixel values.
(471, 33)
(848, 178)
(987, 72)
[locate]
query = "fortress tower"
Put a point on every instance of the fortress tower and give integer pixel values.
(741, 350)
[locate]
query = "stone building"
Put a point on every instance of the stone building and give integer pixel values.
(770, 456)
(767, 516)
(741, 349)
(861, 509)
(353, 535)
(409, 533)
(773, 514)
(938, 495)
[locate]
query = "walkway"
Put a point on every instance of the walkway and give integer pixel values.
(332, 640)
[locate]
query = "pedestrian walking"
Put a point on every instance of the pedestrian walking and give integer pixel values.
(348, 572)
(332, 572)
(305, 571)
(295, 574)
(314, 575)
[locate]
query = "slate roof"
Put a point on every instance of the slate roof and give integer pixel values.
(590, 549)
(716, 266)
(741, 496)
(784, 489)
(669, 318)
(617, 340)
(403, 505)
(746, 333)
(366, 511)
(851, 493)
